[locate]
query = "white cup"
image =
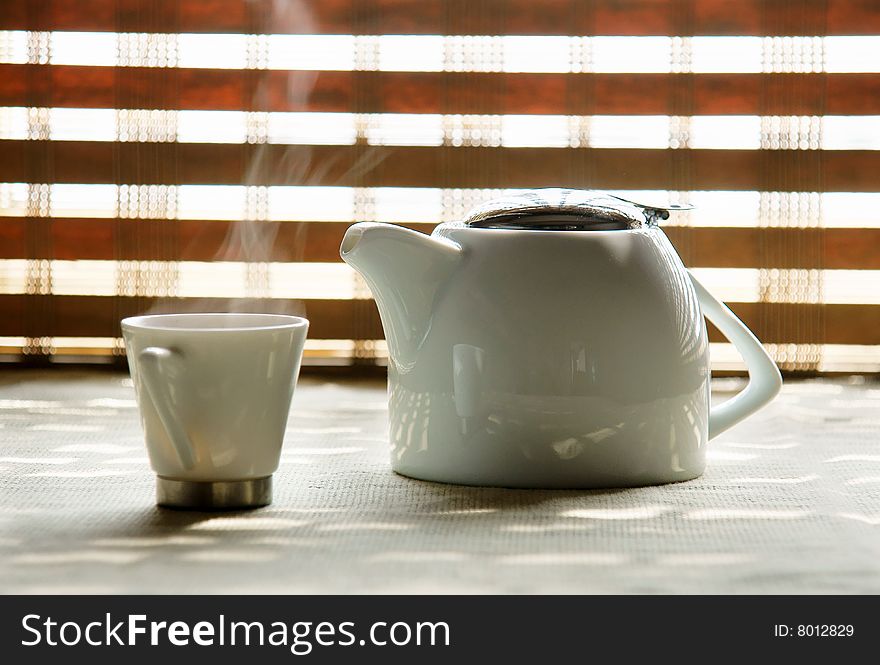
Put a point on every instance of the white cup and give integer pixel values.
(214, 393)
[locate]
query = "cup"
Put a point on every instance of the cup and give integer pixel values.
(214, 394)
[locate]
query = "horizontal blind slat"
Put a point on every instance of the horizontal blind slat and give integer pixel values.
(209, 240)
(440, 92)
(454, 17)
(416, 166)
(98, 316)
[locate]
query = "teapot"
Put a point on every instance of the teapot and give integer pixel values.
(552, 339)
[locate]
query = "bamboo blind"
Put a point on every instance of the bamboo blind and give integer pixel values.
(167, 155)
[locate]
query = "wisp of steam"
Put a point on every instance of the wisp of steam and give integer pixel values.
(253, 240)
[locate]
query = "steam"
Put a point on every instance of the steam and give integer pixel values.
(254, 240)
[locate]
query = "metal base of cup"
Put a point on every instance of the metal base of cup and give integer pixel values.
(218, 495)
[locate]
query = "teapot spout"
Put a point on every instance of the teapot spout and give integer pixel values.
(405, 271)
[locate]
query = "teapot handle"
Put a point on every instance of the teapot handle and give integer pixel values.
(764, 377)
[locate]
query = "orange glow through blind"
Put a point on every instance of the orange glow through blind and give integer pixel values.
(174, 155)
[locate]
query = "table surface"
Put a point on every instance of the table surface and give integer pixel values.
(790, 504)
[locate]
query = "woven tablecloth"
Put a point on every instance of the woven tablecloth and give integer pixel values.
(790, 504)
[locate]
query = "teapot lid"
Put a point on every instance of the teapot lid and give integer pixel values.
(557, 209)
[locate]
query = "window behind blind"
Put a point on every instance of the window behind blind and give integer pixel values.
(168, 155)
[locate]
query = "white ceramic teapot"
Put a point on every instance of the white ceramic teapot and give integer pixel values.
(553, 339)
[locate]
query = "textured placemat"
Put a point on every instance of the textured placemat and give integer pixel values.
(790, 504)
